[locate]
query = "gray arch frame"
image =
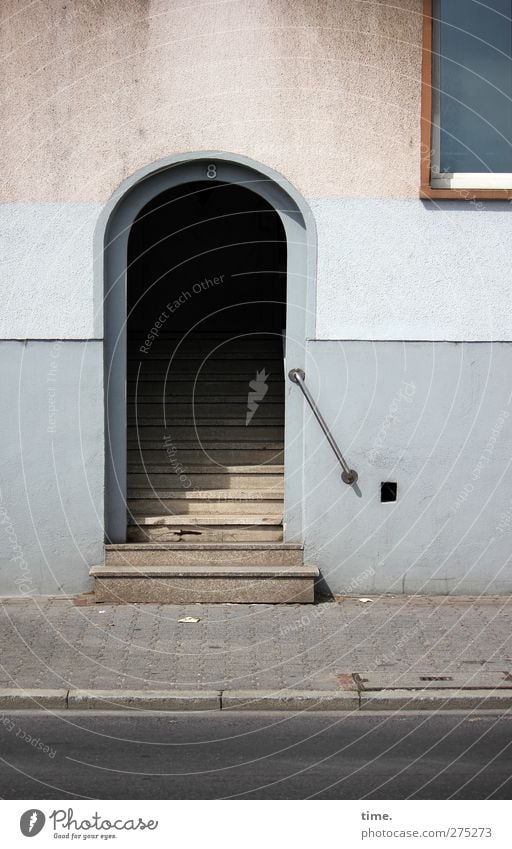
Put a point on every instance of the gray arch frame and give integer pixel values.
(111, 250)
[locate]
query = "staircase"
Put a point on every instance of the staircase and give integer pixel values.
(205, 477)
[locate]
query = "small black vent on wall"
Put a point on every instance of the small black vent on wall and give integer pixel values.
(388, 491)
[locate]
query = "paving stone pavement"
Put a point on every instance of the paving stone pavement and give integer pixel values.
(55, 643)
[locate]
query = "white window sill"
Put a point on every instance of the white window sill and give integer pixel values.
(471, 181)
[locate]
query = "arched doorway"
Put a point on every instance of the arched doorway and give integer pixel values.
(206, 292)
(166, 234)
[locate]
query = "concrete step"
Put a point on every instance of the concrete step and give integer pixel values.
(242, 368)
(223, 379)
(203, 503)
(169, 400)
(203, 409)
(221, 388)
(203, 554)
(232, 583)
(155, 468)
(191, 340)
(194, 398)
(206, 353)
(205, 333)
(168, 425)
(210, 350)
(211, 533)
(213, 480)
(202, 333)
(215, 455)
(236, 338)
(205, 432)
(218, 528)
(172, 422)
(243, 520)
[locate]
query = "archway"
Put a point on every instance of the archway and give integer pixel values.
(247, 191)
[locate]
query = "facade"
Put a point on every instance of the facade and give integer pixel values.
(399, 304)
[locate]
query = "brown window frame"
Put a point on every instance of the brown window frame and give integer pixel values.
(426, 190)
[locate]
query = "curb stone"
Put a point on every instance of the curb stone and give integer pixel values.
(254, 700)
(18, 699)
(294, 700)
(404, 700)
(144, 700)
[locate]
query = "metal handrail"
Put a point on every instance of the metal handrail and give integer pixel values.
(298, 376)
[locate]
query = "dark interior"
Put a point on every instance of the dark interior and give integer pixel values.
(207, 257)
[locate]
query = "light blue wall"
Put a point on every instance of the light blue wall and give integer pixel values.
(51, 503)
(437, 419)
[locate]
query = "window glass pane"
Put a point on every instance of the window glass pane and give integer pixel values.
(474, 78)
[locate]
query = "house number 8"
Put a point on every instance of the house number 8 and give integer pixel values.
(211, 172)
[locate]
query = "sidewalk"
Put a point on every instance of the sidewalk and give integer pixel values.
(393, 643)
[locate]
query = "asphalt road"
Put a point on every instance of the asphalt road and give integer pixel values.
(255, 756)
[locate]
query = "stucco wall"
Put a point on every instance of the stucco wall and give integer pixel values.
(325, 91)
(391, 269)
(46, 256)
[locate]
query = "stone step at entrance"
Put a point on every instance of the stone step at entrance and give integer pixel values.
(187, 368)
(184, 388)
(205, 487)
(204, 479)
(216, 456)
(185, 573)
(219, 527)
(205, 343)
(205, 432)
(201, 409)
(207, 355)
(208, 585)
(203, 554)
(203, 502)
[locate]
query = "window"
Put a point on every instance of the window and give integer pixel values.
(467, 98)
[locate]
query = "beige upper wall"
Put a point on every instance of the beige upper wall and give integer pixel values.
(326, 92)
